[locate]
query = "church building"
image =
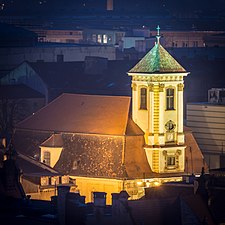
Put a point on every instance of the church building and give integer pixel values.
(157, 97)
(108, 146)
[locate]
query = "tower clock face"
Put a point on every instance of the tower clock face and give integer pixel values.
(170, 125)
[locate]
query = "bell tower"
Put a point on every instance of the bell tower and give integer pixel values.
(157, 107)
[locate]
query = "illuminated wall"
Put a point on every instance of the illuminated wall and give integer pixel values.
(54, 154)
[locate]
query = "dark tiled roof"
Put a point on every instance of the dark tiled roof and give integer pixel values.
(28, 142)
(170, 204)
(32, 167)
(11, 31)
(133, 128)
(61, 74)
(71, 77)
(18, 92)
(54, 141)
(155, 211)
(193, 154)
(78, 114)
(136, 163)
(94, 155)
(157, 60)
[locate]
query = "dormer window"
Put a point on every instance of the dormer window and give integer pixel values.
(76, 164)
(170, 99)
(143, 98)
(51, 150)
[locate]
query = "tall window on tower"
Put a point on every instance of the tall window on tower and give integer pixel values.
(170, 99)
(143, 98)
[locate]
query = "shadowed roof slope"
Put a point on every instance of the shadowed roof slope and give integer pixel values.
(75, 113)
(157, 60)
(54, 141)
(32, 167)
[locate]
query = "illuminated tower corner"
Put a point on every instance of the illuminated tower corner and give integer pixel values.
(157, 108)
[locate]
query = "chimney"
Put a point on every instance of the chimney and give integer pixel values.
(120, 208)
(99, 199)
(110, 5)
(115, 204)
(76, 197)
(115, 197)
(123, 196)
(61, 203)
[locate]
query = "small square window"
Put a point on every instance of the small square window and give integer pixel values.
(171, 161)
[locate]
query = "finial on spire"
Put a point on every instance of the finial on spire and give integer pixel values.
(158, 35)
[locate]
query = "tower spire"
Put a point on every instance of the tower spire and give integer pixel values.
(158, 35)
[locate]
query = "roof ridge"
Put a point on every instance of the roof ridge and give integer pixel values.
(96, 95)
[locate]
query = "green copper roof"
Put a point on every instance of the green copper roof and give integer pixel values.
(157, 60)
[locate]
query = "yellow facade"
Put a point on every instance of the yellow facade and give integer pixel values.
(135, 187)
(54, 154)
(86, 186)
(163, 126)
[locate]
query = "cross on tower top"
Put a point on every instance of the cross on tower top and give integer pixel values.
(158, 35)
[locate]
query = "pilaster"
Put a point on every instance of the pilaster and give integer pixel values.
(135, 101)
(161, 138)
(151, 115)
(180, 134)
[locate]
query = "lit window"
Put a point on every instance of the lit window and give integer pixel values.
(143, 98)
(47, 157)
(170, 99)
(105, 39)
(76, 164)
(99, 38)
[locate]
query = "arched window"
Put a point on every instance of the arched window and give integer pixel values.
(47, 158)
(143, 98)
(170, 99)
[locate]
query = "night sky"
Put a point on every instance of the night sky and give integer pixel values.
(160, 7)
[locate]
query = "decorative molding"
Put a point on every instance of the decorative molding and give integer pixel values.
(134, 86)
(161, 87)
(151, 87)
(159, 78)
(180, 87)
